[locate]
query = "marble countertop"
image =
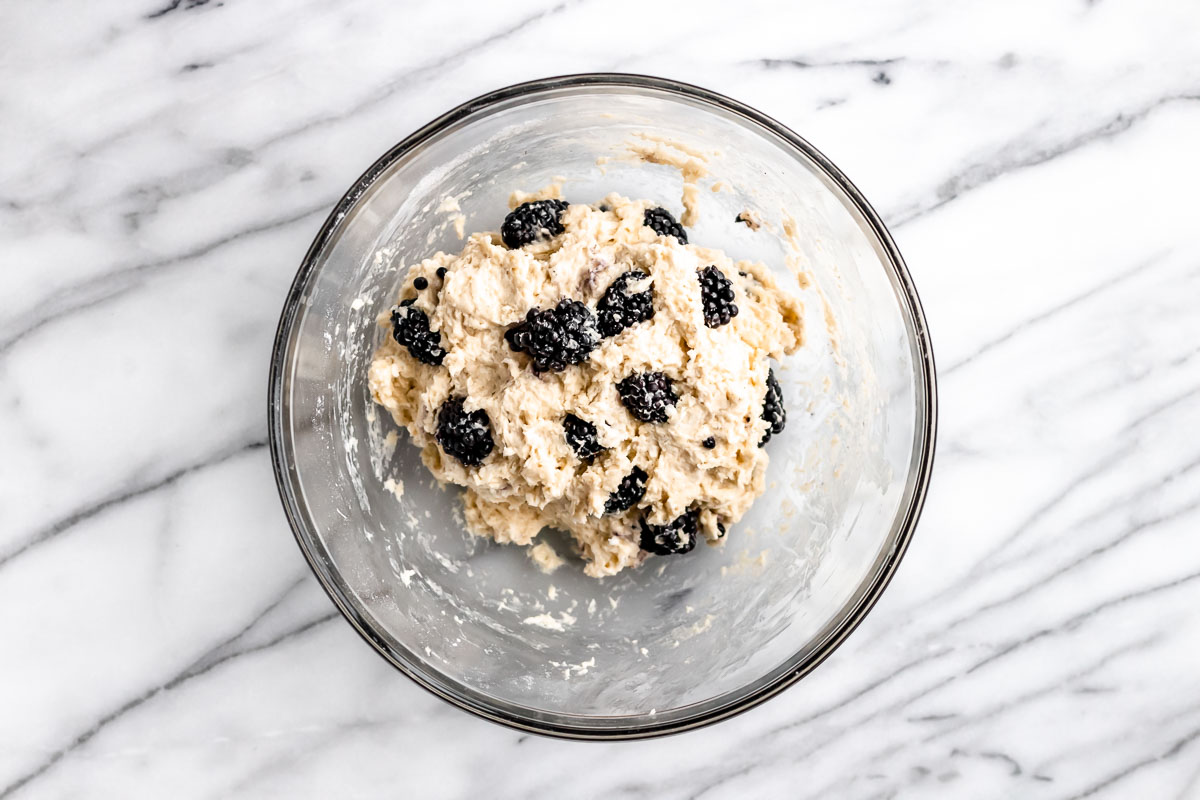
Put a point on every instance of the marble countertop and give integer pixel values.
(167, 163)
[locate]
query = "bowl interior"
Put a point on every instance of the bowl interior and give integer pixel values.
(681, 639)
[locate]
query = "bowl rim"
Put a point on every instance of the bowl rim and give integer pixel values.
(923, 365)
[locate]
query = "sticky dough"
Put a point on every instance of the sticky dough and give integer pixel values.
(532, 480)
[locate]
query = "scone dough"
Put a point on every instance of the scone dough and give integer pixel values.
(532, 479)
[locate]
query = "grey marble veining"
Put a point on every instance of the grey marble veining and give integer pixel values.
(166, 166)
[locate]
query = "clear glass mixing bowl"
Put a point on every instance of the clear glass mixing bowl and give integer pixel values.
(682, 641)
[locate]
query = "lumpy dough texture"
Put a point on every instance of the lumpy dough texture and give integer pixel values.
(533, 479)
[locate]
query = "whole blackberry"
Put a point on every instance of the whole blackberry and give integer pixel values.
(773, 411)
(647, 395)
(661, 222)
(565, 334)
(581, 436)
(529, 222)
(716, 296)
(631, 489)
(676, 537)
(410, 327)
(466, 435)
(617, 309)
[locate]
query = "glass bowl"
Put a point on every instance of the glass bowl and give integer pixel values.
(682, 641)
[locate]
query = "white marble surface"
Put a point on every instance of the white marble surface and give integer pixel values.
(166, 165)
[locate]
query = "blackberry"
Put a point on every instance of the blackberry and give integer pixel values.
(530, 222)
(661, 222)
(716, 296)
(647, 395)
(773, 411)
(618, 310)
(410, 327)
(676, 537)
(709, 443)
(420, 284)
(466, 435)
(441, 272)
(631, 489)
(581, 436)
(565, 334)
